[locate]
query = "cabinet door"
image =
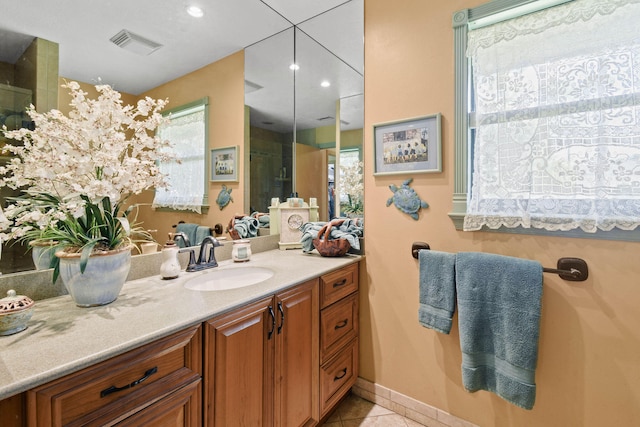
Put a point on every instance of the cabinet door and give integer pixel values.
(238, 366)
(296, 391)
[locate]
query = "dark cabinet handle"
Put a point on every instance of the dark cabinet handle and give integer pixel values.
(341, 375)
(114, 389)
(273, 322)
(340, 283)
(341, 324)
(281, 310)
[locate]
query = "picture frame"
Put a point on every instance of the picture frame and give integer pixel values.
(224, 164)
(408, 146)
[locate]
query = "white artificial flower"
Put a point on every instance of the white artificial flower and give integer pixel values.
(101, 149)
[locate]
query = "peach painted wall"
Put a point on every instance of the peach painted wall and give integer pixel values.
(589, 359)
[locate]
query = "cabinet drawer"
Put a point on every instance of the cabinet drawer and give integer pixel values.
(182, 408)
(337, 376)
(338, 284)
(116, 388)
(338, 325)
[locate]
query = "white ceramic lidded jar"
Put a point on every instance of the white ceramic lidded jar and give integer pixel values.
(15, 312)
(170, 267)
(241, 251)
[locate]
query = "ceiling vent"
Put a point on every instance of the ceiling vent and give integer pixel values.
(135, 43)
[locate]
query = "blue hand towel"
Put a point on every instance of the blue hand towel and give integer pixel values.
(499, 302)
(201, 233)
(437, 289)
(189, 229)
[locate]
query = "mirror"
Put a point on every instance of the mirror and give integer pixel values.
(269, 100)
(315, 116)
(332, 36)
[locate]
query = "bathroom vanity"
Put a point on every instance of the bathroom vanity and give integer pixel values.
(283, 351)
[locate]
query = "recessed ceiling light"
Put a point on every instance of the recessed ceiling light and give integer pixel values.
(325, 83)
(195, 11)
(294, 67)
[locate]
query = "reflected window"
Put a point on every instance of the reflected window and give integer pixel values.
(186, 129)
(351, 183)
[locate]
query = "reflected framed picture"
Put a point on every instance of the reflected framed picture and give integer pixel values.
(224, 164)
(408, 146)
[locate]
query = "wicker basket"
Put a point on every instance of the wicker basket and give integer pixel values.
(330, 247)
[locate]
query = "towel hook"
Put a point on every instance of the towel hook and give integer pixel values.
(571, 269)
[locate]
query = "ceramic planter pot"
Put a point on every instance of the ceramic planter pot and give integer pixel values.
(42, 254)
(102, 280)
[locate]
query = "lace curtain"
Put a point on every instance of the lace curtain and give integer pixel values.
(556, 120)
(186, 178)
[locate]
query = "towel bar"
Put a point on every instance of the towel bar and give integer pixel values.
(572, 269)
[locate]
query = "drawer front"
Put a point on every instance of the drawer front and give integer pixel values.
(120, 386)
(180, 409)
(337, 376)
(338, 284)
(338, 325)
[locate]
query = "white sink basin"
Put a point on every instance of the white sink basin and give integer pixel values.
(232, 278)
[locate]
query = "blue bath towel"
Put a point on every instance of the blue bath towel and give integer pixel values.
(437, 289)
(499, 301)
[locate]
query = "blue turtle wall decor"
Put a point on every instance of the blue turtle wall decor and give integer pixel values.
(224, 197)
(406, 199)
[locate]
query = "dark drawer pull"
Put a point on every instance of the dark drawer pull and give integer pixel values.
(273, 322)
(281, 310)
(340, 283)
(342, 324)
(341, 374)
(114, 389)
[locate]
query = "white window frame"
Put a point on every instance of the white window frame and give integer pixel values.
(202, 103)
(464, 20)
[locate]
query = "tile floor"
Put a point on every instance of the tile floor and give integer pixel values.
(354, 411)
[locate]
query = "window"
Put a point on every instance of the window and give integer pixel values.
(351, 185)
(187, 130)
(548, 107)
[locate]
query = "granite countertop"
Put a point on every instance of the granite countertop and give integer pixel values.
(62, 338)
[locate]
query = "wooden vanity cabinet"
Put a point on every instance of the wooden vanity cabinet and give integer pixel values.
(338, 335)
(156, 384)
(285, 360)
(261, 362)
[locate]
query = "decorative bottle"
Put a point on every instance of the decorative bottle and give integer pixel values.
(170, 267)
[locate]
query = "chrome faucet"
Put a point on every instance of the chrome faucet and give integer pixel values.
(204, 260)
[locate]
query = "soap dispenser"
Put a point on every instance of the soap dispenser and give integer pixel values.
(170, 268)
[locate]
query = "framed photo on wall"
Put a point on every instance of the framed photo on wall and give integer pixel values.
(224, 164)
(408, 146)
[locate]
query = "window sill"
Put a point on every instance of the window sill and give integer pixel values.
(615, 234)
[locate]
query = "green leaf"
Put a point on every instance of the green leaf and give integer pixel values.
(86, 253)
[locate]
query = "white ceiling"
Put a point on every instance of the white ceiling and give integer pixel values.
(83, 28)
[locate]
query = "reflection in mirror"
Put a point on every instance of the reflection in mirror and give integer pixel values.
(351, 166)
(322, 81)
(321, 54)
(339, 32)
(269, 100)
